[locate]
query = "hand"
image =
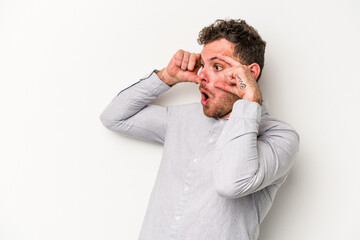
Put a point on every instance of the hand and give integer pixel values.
(240, 80)
(183, 67)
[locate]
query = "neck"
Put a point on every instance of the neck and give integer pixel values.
(226, 115)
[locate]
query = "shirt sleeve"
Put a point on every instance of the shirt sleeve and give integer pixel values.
(131, 114)
(249, 161)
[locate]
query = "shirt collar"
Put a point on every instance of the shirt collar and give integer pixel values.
(264, 110)
(264, 107)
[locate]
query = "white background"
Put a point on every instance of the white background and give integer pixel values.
(64, 176)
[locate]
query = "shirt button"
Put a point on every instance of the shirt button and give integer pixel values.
(186, 189)
(221, 121)
(195, 160)
(211, 140)
(177, 217)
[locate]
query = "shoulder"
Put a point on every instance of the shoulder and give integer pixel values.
(189, 115)
(272, 125)
(191, 110)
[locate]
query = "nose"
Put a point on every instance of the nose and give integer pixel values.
(203, 75)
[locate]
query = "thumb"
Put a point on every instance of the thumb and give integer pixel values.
(195, 78)
(226, 87)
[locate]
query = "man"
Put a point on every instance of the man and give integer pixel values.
(224, 159)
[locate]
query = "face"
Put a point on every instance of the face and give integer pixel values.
(216, 102)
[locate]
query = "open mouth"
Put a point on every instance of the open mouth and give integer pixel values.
(204, 97)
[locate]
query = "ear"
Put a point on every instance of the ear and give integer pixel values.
(255, 70)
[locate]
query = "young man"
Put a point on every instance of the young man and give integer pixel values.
(224, 159)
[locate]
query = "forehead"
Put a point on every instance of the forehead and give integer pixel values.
(219, 46)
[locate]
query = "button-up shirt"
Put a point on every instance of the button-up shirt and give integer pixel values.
(218, 177)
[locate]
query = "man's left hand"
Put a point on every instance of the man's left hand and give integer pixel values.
(240, 79)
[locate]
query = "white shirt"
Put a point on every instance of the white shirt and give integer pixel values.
(218, 177)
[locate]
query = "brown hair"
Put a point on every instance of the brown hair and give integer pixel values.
(249, 46)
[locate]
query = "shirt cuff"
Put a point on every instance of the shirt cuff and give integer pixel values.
(154, 83)
(244, 109)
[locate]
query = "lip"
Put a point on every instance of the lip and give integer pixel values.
(204, 100)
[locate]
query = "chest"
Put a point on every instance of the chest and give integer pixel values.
(189, 149)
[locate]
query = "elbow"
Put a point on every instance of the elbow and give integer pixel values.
(106, 121)
(226, 191)
(234, 189)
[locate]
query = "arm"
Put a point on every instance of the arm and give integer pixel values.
(130, 112)
(249, 162)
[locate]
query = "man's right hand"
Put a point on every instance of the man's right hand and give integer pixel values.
(183, 67)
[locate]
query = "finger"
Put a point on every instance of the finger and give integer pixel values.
(226, 87)
(185, 61)
(198, 57)
(192, 62)
(229, 76)
(231, 61)
(232, 81)
(198, 63)
(195, 79)
(240, 81)
(240, 74)
(179, 57)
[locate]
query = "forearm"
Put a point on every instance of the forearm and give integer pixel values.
(238, 145)
(249, 160)
(130, 113)
(132, 99)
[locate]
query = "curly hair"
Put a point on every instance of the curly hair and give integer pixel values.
(249, 46)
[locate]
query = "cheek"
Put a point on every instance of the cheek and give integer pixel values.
(220, 97)
(226, 99)
(216, 76)
(219, 77)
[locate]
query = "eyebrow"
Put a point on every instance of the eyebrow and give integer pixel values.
(216, 58)
(213, 58)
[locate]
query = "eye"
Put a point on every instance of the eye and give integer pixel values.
(218, 67)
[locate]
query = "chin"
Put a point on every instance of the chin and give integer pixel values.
(216, 113)
(213, 114)
(207, 112)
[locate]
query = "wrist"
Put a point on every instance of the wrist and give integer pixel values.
(253, 97)
(164, 76)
